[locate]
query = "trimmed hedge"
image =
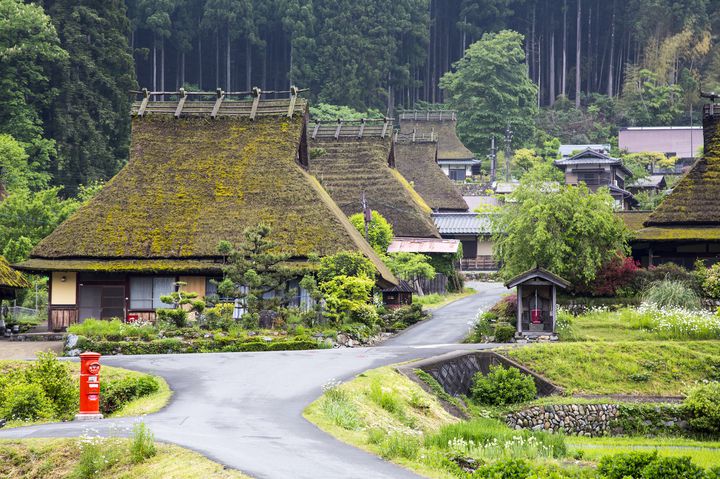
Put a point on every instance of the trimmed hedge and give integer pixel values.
(205, 345)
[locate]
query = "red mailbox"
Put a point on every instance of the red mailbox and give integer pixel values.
(89, 386)
(536, 316)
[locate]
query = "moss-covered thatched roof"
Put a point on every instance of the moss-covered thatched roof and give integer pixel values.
(193, 181)
(416, 162)
(633, 219)
(349, 166)
(443, 127)
(10, 278)
(695, 200)
(678, 233)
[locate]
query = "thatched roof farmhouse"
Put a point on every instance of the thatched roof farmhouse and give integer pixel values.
(355, 160)
(199, 172)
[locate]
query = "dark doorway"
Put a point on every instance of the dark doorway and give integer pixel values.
(101, 301)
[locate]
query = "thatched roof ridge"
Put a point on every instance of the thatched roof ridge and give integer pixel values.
(443, 127)
(416, 161)
(633, 219)
(193, 181)
(347, 167)
(10, 278)
(695, 200)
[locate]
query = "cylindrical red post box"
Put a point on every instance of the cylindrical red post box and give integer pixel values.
(89, 386)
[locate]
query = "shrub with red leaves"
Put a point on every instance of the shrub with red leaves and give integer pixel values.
(506, 308)
(618, 273)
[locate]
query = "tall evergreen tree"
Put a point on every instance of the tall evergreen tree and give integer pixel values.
(91, 115)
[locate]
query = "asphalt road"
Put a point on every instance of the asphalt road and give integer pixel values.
(451, 324)
(244, 410)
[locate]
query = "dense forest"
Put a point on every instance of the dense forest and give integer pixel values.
(593, 65)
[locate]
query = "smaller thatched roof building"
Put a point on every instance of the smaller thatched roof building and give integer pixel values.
(686, 225)
(10, 280)
(352, 160)
(416, 160)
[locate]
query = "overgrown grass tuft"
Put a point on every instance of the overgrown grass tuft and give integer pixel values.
(339, 408)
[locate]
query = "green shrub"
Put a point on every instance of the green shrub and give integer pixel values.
(502, 386)
(711, 281)
(365, 314)
(702, 406)
(113, 330)
(56, 382)
(672, 467)
(25, 402)
(668, 293)
(504, 332)
(407, 315)
(176, 317)
(399, 445)
(483, 328)
(376, 436)
(510, 469)
(630, 464)
(115, 394)
(506, 308)
(339, 408)
(143, 444)
(96, 455)
(666, 271)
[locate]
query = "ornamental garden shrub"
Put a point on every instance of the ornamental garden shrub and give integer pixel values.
(669, 293)
(666, 271)
(675, 467)
(648, 465)
(506, 308)
(702, 405)
(23, 401)
(504, 332)
(502, 386)
(115, 394)
(620, 466)
(711, 281)
(616, 277)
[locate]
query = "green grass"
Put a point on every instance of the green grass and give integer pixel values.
(434, 301)
(59, 458)
(658, 368)
(703, 453)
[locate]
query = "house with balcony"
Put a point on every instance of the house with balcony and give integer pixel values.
(598, 170)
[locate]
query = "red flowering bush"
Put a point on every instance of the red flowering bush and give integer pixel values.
(506, 308)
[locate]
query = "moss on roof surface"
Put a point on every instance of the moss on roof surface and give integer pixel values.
(9, 278)
(347, 167)
(416, 162)
(449, 145)
(678, 233)
(633, 219)
(695, 200)
(194, 181)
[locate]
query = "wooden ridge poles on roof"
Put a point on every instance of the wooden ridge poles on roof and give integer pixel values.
(363, 127)
(151, 104)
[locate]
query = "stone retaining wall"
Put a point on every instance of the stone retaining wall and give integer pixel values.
(599, 419)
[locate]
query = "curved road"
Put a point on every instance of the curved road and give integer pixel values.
(244, 410)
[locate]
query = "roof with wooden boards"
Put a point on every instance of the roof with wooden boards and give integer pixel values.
(692, 210)
(10, 278)
(416, 160)
(193, 180)
(349, 165)
(442, 124)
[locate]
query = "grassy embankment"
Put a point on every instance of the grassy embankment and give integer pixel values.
(59, 459)
(434, 301)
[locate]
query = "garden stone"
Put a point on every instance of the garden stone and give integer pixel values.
(71, 341)
(3, 422)
(73, 353)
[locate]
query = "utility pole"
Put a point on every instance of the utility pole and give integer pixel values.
(508, 145)
(493, 160)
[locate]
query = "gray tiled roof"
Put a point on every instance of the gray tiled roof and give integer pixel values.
(463, 223)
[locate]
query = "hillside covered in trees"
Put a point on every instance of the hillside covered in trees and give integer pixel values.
(590, 66)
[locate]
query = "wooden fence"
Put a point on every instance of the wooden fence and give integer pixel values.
(436, 285)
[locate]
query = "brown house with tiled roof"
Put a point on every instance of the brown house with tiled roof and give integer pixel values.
(199, 172)
(453, 156)
(686, 225)
(352, 160)
(416, 160)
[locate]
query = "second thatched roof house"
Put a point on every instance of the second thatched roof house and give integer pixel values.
(199, 172)
(686, 225)
(357, 159)
(10, 280)
(416, 160)
(453, 156)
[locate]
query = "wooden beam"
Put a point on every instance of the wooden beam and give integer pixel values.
(143, 105)
(362, 128)
(337, 129)
(256, 93)
(181, 103)
(293, 99)
(385, 126)
(315, 130)
(220, 95)
(519, 308)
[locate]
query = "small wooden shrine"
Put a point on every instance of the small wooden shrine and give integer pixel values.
(536, 301)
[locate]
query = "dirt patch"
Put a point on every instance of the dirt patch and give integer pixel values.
(27, 349)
